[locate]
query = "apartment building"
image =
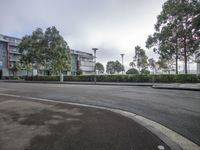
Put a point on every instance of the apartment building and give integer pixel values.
(9, 55)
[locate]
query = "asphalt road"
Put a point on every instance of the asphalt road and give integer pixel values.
(177, 110)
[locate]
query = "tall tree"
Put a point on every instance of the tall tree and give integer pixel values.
(47, 49)
(57, 51)
(180, 18)
(113, 67)
(110, 67)
(152, 64)
(141, 58)
(99, 67)
(164, 64)
(132, 64)
(31, 47)
(118, 67)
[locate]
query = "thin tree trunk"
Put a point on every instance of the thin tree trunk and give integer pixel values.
(32, 69)
(176, 56)
(185, 55)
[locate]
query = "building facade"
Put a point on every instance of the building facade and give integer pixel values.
(81, 62)
(9, 56)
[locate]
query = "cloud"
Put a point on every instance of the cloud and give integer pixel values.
(114, 26)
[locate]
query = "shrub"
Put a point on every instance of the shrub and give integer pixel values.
(181, 78)
(132, 71)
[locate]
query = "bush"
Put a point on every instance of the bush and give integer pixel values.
(132, 71)
(182, 78)
(145, 71)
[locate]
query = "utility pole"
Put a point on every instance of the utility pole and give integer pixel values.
(122, 55)
(95, 49)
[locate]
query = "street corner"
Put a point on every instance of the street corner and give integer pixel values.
(33, 125)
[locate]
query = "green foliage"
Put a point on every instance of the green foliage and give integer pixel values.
(132, 64)
(141, 58)
(57, 50)
(118, 67)
(114, 67)
(132, 71)
(110, 67)
(47, 49)
(99, 67)
(16, 67)
(163, 63)
(79, 72)
(177, 33)
(181, 78)
(152, 64)
(145, 71)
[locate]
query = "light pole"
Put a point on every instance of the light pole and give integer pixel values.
(122, 63)
(95, 49)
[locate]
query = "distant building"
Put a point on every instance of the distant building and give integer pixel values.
(9, 55)
(81, 61)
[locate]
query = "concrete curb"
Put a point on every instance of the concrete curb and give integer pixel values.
(174, 140)
(155, 85)
(176, 88)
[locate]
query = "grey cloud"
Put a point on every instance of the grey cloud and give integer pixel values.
(114, 26)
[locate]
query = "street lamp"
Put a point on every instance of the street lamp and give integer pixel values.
(95, 49)
(122, 62)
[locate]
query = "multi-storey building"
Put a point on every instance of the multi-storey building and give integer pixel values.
(9, 55)
(81, 61)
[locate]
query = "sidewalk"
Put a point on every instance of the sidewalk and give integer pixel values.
(32, 125)
(176, 86)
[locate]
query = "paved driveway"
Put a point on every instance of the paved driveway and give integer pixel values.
(177, 110)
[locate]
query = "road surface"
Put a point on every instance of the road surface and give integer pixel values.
(177, 110)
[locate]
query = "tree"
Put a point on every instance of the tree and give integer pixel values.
(145, 71)
(16, 67)
(132, 64)
(141, 58)
(177, 30)
(110, 67)
(25, 64)
(46, 49)
(132, 71)
(32, 48)
(57, 51)
(113, 67)
(118, 67)
(152, 64)
(164, 64)
(99, 67)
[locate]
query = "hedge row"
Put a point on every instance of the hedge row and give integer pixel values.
(181, 78)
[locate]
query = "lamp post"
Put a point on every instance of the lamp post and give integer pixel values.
(95, 49)
(122, 55)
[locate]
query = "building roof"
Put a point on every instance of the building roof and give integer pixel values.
(81, 53)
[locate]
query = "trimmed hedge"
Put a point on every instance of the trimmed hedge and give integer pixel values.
(170, 78)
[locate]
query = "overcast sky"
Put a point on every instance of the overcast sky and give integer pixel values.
(113, 26)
